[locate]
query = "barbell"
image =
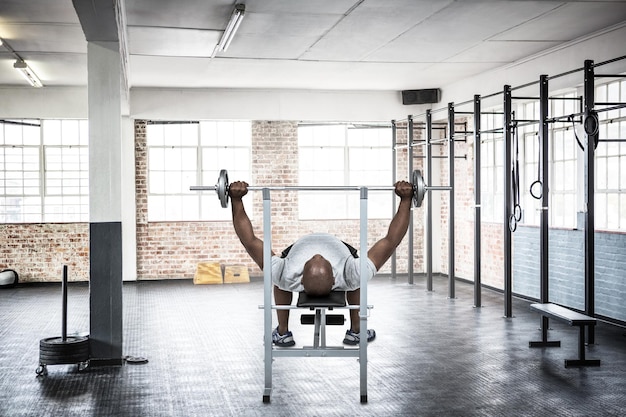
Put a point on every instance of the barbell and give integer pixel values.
(417, 181)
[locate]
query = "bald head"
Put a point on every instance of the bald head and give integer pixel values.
(317, 276)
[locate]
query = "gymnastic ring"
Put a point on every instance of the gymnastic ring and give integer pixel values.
(537, 196)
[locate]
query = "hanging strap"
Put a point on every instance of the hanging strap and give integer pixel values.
(516, 215)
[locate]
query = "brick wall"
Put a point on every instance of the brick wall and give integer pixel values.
(173, 249)
(491, 238)
(38, 251)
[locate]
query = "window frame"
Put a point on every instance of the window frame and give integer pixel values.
(42, 208)
(345, 205)
(186, 205)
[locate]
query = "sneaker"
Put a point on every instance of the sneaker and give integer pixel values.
(354, 338)
(282, 340)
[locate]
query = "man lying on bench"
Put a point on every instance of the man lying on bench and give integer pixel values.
(320, 263)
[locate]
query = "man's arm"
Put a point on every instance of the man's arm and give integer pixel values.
(242, 224)
(384, 248)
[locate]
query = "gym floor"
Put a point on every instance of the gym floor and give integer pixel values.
(433, 356)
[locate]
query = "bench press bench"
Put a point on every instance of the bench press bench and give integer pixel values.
(572, 318)
(320, 319)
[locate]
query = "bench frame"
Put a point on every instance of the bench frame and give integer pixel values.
(270, 351)
(572, 318)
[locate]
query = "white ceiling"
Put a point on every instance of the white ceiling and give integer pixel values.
(295, 44)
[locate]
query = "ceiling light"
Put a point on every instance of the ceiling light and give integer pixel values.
(231, 28)
(27, 73)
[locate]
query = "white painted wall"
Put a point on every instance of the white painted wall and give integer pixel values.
(186, 104)
(43, 103)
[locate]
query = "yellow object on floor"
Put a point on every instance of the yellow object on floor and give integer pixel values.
(236, 273)
(208, 273)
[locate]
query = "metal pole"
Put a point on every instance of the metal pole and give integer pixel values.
(394, 167)
(304, 187)
(267, 293)
(543, 244)
(64, 308)
(451, 292)
(477, 191)
(589, 99)
(429, 202)
(410, 171)
(545, 198)
(508, 293)
(363, 300)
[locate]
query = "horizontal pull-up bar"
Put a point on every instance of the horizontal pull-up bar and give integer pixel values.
(609, 61)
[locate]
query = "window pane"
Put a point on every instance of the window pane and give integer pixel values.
(173, 207)
(189, 134)
(600, 212)
(601, 173)
(70, 132)
(613, 173)
(557, 210)
(622, 211)
(190, 207)
(154, 135)
(171, 134)
(612, 206)
(613, 96)
(52, 132)
(156, 207)
(32, 135)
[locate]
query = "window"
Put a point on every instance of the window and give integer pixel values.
(66, 168)
(342, 154)
(44, 171)
(193, 153)
(562, 158)
(610, 201)
(492, 166)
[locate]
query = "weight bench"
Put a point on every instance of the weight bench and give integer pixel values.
(320, 319)
(570, 317)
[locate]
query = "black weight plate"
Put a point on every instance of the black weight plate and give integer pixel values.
(69, 340)
(56, 360)
(64, 351)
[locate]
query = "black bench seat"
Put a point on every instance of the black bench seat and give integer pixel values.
(572, 318)
(336, 299)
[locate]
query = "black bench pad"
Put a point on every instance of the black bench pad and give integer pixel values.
(334, 299)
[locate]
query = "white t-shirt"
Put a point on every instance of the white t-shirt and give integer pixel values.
(287, 271)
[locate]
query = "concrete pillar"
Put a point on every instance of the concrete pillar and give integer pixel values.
(105, 202)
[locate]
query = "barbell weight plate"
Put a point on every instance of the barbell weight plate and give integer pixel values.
(419, 188)
(222, 188)
(55, 350)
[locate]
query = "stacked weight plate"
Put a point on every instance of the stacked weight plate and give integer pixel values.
(65, 349)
